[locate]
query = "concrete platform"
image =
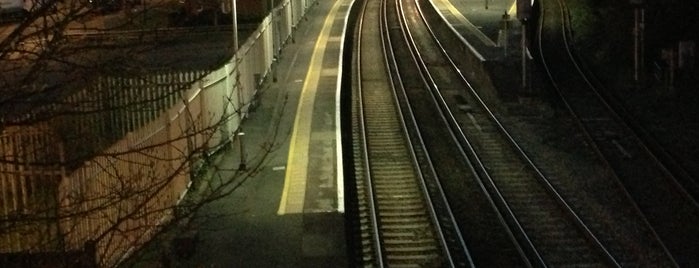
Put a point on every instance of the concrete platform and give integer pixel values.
(489, 26)
(291, 213)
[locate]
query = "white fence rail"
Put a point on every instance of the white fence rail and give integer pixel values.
(117, 198)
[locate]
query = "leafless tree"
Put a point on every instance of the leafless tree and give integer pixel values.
(104, 125)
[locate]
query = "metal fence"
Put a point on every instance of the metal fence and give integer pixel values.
(136, 140)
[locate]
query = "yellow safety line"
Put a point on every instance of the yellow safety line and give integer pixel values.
(297, 162)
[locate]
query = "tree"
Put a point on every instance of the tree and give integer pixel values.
(105, 121)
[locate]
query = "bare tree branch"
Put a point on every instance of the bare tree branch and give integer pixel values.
(103, 129)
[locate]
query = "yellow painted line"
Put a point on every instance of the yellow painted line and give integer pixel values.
(297, 162)
(460, 17)
(513, 8)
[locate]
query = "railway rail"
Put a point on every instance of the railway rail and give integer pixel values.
(489, 242)
(467, 151)
(538, 215)
(666, 200)
(399, 218)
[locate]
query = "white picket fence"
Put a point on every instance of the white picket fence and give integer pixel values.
(118, 198)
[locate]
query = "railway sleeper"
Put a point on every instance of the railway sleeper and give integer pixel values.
(404, 241)
(392, 171)
(401, 205)
(397, 191)
(403, 213)
(427, 249)
(392, 198)
(398, 220)
(419, 226)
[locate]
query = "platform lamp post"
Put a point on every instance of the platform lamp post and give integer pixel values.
(638, 32)
(293, 22)
(524, 12)
(524, 54)
(276, 39)
(239, 132)
(234, 22)
(239, 109)
(505, 26)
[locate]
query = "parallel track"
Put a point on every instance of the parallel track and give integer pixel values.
(490, 242)
(668, 205)
(399, 223)
(484, 172)
(549, 231)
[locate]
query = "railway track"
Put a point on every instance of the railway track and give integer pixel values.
(665, 200)
(549, 230)
(504, 183)
(400, 226)
(501, 205)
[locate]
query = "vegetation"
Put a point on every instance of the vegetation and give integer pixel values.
(103, 127)
(664, 100)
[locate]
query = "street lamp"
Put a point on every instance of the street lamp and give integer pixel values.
(239, 131)
(638, 29)
(524, 13)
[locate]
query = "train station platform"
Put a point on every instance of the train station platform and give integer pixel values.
(291, 212)
(489, 26)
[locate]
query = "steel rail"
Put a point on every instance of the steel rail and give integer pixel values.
(396, 254)
(620, 115)
(373, 214)
(448, 117)
(503, 130)
(437, 187)
(542, 178)
(612, 112)
(585, 75)
(429, 83)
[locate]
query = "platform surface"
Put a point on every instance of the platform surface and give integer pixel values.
(291, 213)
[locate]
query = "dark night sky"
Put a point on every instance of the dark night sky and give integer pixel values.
(673, 19)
